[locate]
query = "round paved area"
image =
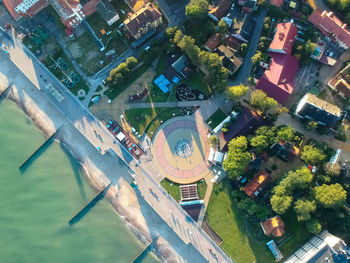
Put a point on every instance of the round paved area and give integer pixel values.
(180, 149)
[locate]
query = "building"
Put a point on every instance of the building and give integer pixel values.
(284, 38)
(233, 43)
(273, 226)
(143, 24)
(248, 6)
(319, 54)
(312, 108)
(332, 27)
(246, 121)
(213, 42)
(177, 68)
(136, 4)
(228, 59)
(108, 12)
(24, 8)
(284, 150)
(70, 11)
(341, 82)
(244, 32)
(220, 10)
(275, 250)
(323, 247)
(278, 80)
(257, 184)
(277, 3)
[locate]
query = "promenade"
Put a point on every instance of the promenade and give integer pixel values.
(188, 240)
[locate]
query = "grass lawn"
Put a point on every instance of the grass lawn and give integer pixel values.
(238, 236)
(215, 119)
(197, 81)
(174, 189)
(114, 91)
(148, 120)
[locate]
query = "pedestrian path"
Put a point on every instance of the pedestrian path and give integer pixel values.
(206, 199)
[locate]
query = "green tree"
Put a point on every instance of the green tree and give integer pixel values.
(170, 32)
(188, 46)
(261, 101)
(330, 196)
(257, 57)
(243, 50)
(237, 158)
(281, 203)
(213, 141)
(197, 9)
(332, 169)
(131, 62)
(304, 208)
(309, 48)
(268, 132)
(259, 142)
(311, 125)
(235, 92)
(312, 155)
(285, 133)
(178, 36)
(223, 27)
(313, 226)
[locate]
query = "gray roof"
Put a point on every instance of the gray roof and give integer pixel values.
(107, 10)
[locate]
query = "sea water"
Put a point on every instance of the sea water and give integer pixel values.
(37, 203)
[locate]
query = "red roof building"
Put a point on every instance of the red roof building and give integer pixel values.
(341, 82)
(284, 38)
(278, 81)
(277, 3)
(273, 226)
(332, 27)
(220, 10)
(213, 42)
(257, 184)
(24, 8)
(70, 11)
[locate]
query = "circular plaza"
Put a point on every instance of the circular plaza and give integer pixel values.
(180, 149)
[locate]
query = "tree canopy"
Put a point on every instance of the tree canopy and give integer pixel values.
(313, 226)
(330, 196)
(285, 133)
(261, 101)
(197, 9)
(223, 27)
(312, 155)
(304, 208)
(235, 92)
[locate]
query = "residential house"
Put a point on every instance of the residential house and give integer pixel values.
(136, 4)
(24, 8)
(257, 184)
(177, 68)
(143, 24)
(248, 5)
(277, 3)
(284, 150)
(323, 247)
(332, 27)
(108, 12)
(70, 11)
(220, 10)
(341, 82)
(246, 122)
(312, 108)
(213, 42)
(244, 32)
(233, 43)
(278, 80)
(228, 59)
(273, 226)
(319, 54)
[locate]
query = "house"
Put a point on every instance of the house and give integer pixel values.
(278, 81)
(108, 12)
(284, 150)
(246, 121)
(233, 43)
(24, 8)
(277, 3)
(273, 226)
(312, 108)
(228, 59)
(70, 11)
(284, 38)
(323, 247)
(319, 54)
(178, 68)
(143, 24)
(136, 5)
(213, 42)
(257, 184)
(332, 27)
(248, 5)
(341, 82)
(220, 10)
(244, 32)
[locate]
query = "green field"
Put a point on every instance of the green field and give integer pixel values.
(174, 189)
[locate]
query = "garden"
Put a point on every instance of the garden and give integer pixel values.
(174, 189)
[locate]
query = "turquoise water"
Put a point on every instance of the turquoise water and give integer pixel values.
(37, 203)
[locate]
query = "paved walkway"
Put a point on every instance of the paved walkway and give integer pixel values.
(206, 200)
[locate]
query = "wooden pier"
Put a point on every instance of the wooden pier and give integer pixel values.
(100, 195)
(30, 158)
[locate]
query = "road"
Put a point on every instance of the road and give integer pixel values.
(197, 244)
(245, 69)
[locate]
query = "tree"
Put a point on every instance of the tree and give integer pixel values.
(131, 62)
(332, 169)
(285, 133)
(311, 125)
(188, 46)
(223, 27)
(297, 180)
(313, 226)
(170, 32)
(237, 158)
(259, 142)
(281, 203)
(330, 196)
(261, 101)
(243, 50)
(235, 92)
(197, 9)
(257, 57)
(309, 48)
(312, 155)
(178, 36)
(304, 208)
(213, 141)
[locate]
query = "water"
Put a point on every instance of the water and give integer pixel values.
(37, 203)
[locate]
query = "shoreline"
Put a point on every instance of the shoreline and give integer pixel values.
(117, 194)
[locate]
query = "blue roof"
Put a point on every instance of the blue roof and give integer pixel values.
(163, 83)
(175, 80)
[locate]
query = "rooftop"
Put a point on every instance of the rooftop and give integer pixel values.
(221, 9)
(257, 184)
(213, 42)
(273, 226)
(284, 38)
